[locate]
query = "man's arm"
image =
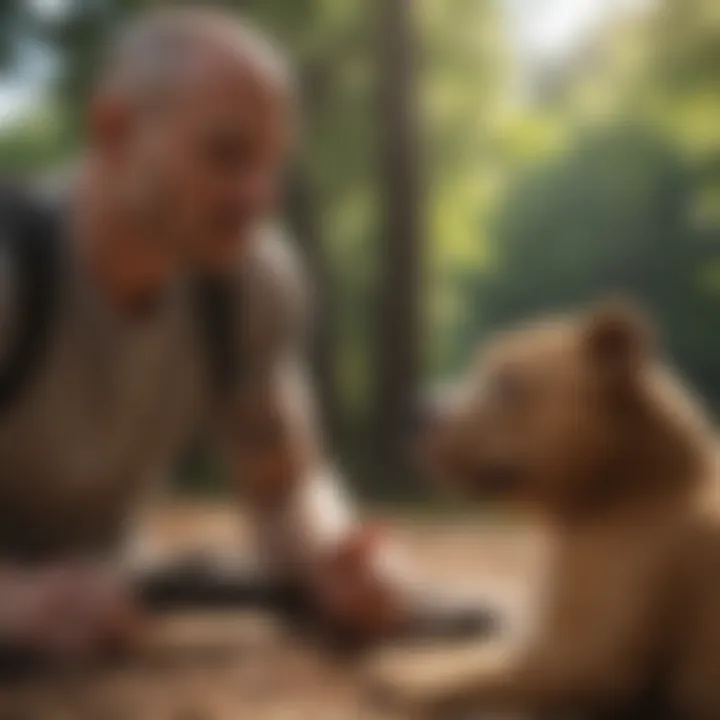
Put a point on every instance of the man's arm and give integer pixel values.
(279, 463)
(309, 532)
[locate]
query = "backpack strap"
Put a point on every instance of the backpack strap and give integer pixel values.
(30, 231)
(217, 315)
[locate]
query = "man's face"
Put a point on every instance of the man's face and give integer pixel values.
(206, 169)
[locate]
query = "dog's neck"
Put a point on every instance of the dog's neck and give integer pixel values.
(660, 467)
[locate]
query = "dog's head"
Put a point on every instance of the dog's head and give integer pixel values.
(566, 414)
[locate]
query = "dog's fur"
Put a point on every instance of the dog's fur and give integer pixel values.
(580, 420)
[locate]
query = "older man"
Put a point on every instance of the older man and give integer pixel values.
(154, 297)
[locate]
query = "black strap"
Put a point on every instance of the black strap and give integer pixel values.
(30, 231)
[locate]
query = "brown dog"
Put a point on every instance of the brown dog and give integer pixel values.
(580, 420)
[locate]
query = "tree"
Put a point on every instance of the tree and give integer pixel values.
(610, 217)
(398, 345)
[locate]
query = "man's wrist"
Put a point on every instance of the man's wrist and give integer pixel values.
(317, 518)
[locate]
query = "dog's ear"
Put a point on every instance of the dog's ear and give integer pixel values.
(618, 339)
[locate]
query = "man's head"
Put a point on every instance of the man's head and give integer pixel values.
(191, 121)
(569, 415)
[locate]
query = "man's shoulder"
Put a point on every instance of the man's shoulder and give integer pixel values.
(273, 285)
(271, 262)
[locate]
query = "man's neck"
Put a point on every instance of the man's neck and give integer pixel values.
(116, 251)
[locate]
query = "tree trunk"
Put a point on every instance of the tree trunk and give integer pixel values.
(398, 349)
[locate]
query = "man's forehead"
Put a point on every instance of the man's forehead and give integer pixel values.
(184, 50)
(228, 102)
(233, 52)
(232, 70)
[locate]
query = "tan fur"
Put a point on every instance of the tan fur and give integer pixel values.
(580, 421)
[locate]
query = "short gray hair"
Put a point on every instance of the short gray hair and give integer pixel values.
(156, 52)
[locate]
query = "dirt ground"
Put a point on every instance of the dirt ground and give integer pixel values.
(222, 667)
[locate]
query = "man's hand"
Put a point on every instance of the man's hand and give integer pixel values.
(363, 590)
(67, 612)
(355, 594)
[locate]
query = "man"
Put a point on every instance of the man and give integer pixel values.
(187, 134)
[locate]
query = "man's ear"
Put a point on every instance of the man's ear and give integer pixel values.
(618, 339)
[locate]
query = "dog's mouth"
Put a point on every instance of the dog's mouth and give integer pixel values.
(469, 469)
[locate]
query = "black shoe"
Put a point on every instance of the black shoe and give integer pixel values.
(438, 618)
(428, 619)
(199, 584)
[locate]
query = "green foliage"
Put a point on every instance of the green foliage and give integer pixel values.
(611, 217)
(625, 207)
(531, 205)
(30, 146)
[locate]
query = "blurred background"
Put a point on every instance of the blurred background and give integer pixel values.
(464, 164)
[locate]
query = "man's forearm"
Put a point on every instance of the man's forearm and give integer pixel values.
(299, 501)
(308, 529)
